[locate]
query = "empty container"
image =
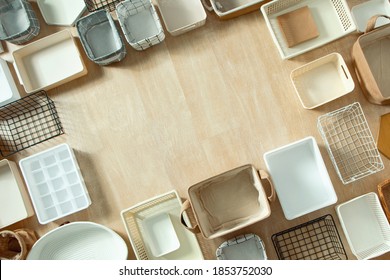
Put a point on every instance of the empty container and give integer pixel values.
(227, 9)
(100, 38)
(9, 92)
(61, 12)
(322, 80)
(243, 247)
(365, 226)
(94, 5)
(300, 178)
(140, 23)
(55, 183)
(18, 22)
(363, 12)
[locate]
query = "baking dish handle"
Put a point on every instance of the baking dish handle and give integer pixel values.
(186, 206)
(207, 5)
(265, 176)
(372, 21)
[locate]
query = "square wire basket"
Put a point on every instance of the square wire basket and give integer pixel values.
(94, 5)
(317, 239)
(350, 144)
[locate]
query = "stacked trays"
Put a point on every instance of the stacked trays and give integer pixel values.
(55, 183)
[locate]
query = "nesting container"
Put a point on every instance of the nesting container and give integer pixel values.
(140, 23)
(100, 38)
(18, 21)
(228, 202)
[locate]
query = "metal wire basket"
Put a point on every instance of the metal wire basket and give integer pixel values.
(27, 122)
(94, 5)
(349, 142)
(317, 239)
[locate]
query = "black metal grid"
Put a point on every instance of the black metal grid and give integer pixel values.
(315, 240)
(28, 121)
(94, 5)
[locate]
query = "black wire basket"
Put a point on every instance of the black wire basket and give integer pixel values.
(94, 5)
(315, 240)
(28, 121)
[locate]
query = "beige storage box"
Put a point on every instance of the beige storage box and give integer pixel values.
(228, 202)
(371, 54)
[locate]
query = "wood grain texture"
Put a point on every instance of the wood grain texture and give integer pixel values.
(187, 109)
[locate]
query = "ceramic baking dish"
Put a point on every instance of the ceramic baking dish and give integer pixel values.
(300, 178)
(49, 62)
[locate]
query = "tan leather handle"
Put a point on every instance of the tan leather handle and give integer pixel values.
(265, 176)
(184, 207)
(372, 21)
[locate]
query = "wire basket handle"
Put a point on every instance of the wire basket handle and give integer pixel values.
(186, 206)
(265, 176)
(372, 21)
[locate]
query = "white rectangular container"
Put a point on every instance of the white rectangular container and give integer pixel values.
(55, 183)
(181, 16)
(332, 17)
(363, 12)
(322, 80)
(227, 9)
(61, 12)
(9, 92)
(300, 178)
(49, 62)
(365, 226)
(15, 204)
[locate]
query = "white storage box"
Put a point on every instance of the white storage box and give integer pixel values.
(300, 178)
(135, 221)
(140, 23)
(363, 12)
(181, 16)
(9, 92)
(49, 62)
(332, 18)
(365, 226)
(14, 202)
(322, 81)
(61, 12)
(79, 241)
(55, 183)
(227, 9)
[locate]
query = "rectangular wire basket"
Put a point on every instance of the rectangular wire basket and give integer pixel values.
(28, 121)
(317, 239)
(350, 144)
(94, 5)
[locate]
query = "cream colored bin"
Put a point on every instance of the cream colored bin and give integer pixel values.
(15, 204)
(227, 9)
(228, 202)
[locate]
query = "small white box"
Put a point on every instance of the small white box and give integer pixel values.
(61, 12)
(9, 92)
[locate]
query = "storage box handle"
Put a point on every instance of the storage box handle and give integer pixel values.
(207, 5)
(265, 176)
(372, 21)
(186, 206)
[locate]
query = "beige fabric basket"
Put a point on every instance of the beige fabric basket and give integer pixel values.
(228, 202)
(370, 54)
(15, 245)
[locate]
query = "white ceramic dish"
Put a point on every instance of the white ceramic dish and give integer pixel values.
(365, 226)
(332, 17)
(79, 241)
(61, 12)
(37, 63)
(9, 92)
(363, 12)
(322, 80)
(161, 234)
(14, 202)
(168, 203)
(181, 16)
(300, 178)
(55, 183)
(243, 247)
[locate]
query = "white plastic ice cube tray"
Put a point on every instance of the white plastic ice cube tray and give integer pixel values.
(55, 183)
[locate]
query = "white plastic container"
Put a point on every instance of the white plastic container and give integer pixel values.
(332, 17)
(55, 183)
(14, 202)
(300, 178)
(363, 12)
(61, 12)
(79, 241)
(181, 16)
(322, 80)
(227, 9)
(365, 226)
(9, 92)
(49, 62)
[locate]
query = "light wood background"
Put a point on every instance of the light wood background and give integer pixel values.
(187, 109)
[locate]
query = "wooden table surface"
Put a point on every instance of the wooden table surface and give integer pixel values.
(192, 107)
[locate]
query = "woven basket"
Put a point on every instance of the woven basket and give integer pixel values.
(15, 245)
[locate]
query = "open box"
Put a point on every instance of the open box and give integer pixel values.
(227, 9)
(322, 80)
(61, 12)
(14, 202)
(300, 178)
(49, 62)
